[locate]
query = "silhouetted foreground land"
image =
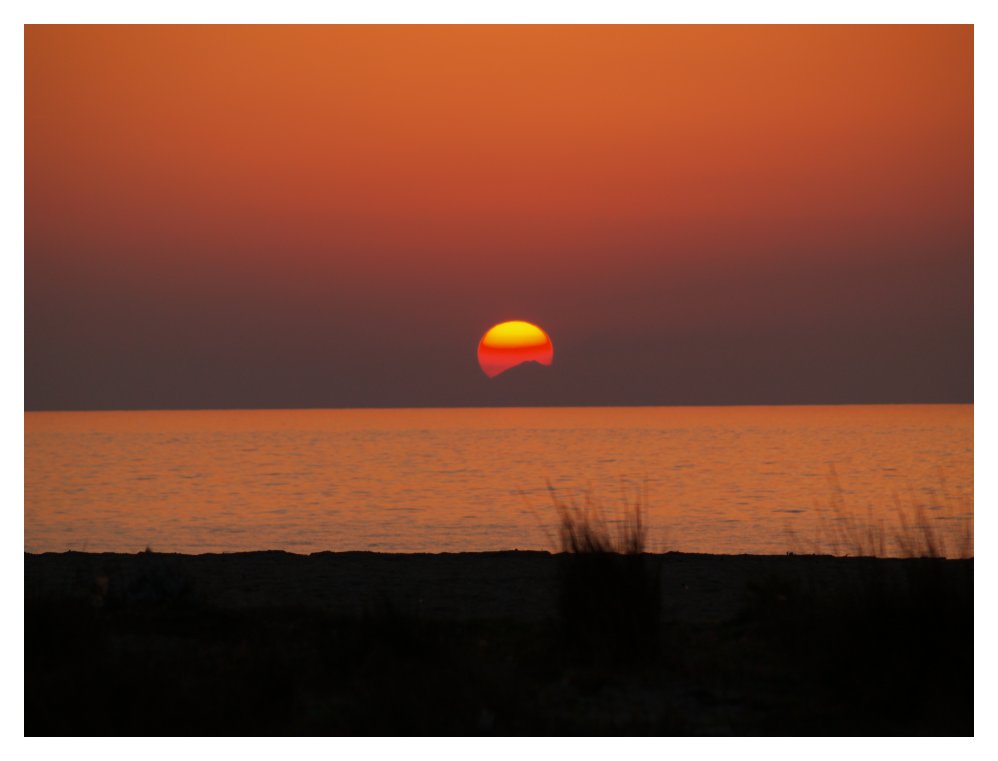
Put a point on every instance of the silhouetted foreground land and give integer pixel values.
(496, 643)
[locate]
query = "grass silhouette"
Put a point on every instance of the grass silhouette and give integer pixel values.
(912, 530)
(609, 587)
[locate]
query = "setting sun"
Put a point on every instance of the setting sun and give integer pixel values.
(510, 343)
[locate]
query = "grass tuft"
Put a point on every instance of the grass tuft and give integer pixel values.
(936, 523)
(609, 587)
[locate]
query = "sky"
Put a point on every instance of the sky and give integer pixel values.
(333, 216)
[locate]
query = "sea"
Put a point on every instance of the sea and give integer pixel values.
(732, 480)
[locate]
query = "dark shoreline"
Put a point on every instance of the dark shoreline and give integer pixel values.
(512, 584)
(458, 643)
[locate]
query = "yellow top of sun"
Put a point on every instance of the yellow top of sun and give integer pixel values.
(515, 334)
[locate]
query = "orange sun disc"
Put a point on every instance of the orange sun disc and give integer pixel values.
(510, 343)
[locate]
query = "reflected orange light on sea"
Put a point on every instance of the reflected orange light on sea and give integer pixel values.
(718, 480)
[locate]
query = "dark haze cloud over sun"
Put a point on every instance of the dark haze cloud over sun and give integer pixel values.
(333, 216)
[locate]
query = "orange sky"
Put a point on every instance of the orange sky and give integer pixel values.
(301, 216)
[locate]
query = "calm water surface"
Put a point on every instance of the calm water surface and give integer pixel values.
(715, 479)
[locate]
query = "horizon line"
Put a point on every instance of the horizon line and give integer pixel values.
(496, 407)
